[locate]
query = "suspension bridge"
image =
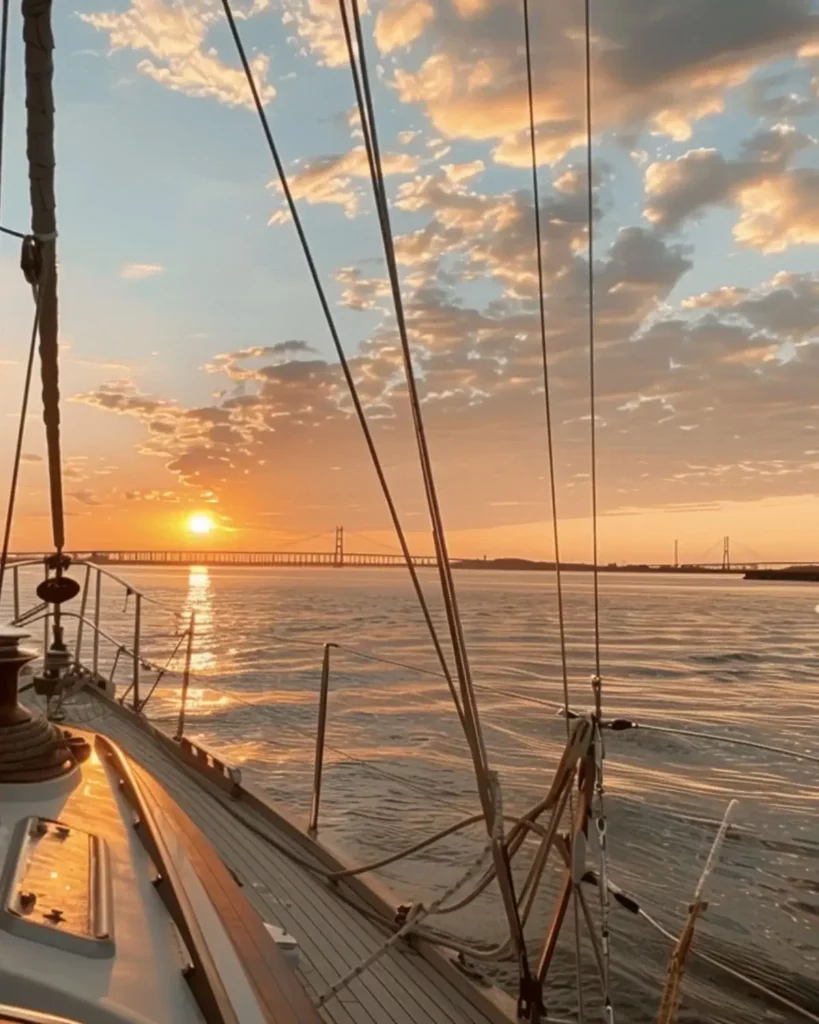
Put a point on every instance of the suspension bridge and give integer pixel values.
(342, 557)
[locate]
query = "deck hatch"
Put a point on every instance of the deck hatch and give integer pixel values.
(56, 888)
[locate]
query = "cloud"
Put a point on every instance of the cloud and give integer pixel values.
(694, 404)
(169, 497)
(318, 24)
(780, 98)
(175, 36)
(359, 292)
(30, 458)
(401, 22)
(492, 234)
(786, 307)
(329, 179)
(84, 497)
(684, 187)
(662, 73)
(228, 362)
(140, 271)
(779, 212)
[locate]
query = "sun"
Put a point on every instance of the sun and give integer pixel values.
(201, 523)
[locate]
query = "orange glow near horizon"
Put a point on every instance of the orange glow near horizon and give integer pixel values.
(200, 523)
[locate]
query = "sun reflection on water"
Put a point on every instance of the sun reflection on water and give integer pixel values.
(199, 602)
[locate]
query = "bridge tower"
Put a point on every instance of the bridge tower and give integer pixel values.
(338, 554)
(726, 553)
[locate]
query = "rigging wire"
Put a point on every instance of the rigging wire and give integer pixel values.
(342, 357)
(545, 356)
(551, 456)
(597, 682)
(4, 48)
(21, 428)
(592, 395)
(471, 719)
(488, 794)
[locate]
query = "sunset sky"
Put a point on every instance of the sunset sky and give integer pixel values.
(197, 371)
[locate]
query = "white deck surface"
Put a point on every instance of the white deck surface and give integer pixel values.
(143, 982)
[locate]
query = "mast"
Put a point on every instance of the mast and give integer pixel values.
(39, 64)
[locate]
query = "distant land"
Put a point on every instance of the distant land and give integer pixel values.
(794, 573)
(803, 572)
(529, 565)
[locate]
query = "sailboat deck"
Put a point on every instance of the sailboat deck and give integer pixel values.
(334, 936)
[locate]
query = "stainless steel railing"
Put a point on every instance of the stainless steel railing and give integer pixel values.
(133, 651)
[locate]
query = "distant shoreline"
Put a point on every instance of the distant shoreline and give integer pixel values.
(530, 565)
(806, 572)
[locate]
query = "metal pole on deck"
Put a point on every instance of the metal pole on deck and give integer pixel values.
(321, 728)
(137, 631)
(46, 617)
(81, 620)
(186, 679)
(95, 649)
(15, 575)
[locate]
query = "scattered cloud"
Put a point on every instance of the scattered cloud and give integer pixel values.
(781, 211)
(175, 37)
(84, 497)
(648, 72)
(140, 271)
(698, 398)
(685, 187)
(401, 22)
(329, 179)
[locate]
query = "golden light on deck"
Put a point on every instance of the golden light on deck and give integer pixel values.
(200, 523)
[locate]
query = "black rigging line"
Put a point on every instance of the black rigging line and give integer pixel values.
(545, 355)
(551, 460)
(376, 461)
(4, 47)
(592, 402)
(15, 472)
(361, 83)
(471, 719)
(597, 684)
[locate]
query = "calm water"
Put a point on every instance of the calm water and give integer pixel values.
(718, 655)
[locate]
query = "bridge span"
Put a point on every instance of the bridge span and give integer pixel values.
(354, 559)
(329, 559)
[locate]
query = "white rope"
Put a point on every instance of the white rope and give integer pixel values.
(775, 996)
(670, 999)
(418, 912)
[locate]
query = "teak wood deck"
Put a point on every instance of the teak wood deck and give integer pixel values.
(335, 927)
